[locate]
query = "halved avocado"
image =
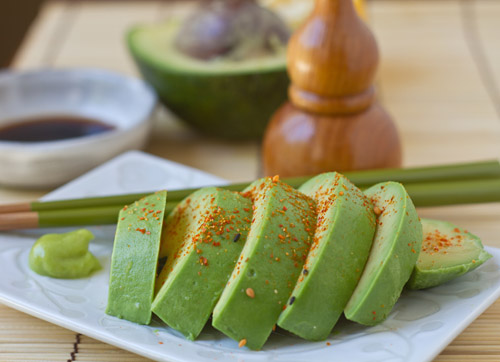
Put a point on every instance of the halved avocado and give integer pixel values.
(223, 98)
(447, 252)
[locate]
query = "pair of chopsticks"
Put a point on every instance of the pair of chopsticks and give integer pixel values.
(466, 183)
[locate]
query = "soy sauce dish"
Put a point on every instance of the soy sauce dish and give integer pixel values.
(56, 124)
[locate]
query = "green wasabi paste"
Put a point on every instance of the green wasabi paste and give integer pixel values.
(64, 256)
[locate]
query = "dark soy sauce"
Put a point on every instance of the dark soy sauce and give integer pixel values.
(52, 128)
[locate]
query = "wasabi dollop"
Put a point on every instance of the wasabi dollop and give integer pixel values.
(64, 256)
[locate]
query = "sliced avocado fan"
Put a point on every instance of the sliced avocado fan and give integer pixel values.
(447, 252)
(395, 249)
(275, 255)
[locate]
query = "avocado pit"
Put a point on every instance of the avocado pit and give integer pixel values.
(232, 29)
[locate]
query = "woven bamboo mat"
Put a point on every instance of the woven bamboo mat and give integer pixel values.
(25, 338)
(439, 78)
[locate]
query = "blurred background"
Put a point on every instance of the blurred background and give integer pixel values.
(438, 68)
(15, 18)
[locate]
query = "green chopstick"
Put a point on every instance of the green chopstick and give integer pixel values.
(423, 195)
(467, 183)
(454, 192)
(466, 171)
(85, 216)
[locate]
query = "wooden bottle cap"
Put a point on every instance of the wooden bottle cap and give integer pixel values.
(332, 60)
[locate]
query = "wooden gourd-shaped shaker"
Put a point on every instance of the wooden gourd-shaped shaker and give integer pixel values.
(333, 121)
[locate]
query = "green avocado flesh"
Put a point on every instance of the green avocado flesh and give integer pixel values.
(64, 256)
(202, 240)
(135, 258)
(342, 242)
(447, 252)
(229, 99)
(270, 255)
(260, 286)
(395, 248)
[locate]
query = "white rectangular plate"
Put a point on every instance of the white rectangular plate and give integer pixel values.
(420, 326)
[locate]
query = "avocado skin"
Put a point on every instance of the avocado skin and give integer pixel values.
(342, 242)
(395, 249)
(269, 264)
(233, 106)
(189, 289)
(134, 259)
(423, 277)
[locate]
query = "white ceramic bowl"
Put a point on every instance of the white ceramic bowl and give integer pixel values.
(122, 102)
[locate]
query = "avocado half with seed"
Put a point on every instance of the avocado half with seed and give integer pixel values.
(223, 98)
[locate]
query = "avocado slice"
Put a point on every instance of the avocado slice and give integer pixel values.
(342, 242)
(223, 98)
(202, 240)
(277, 245)
(135, 257)
(447, 252)
(395, 249)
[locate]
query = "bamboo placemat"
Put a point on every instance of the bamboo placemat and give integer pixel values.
(439, 78)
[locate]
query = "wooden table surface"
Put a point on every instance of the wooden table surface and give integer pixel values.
(439, 77)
